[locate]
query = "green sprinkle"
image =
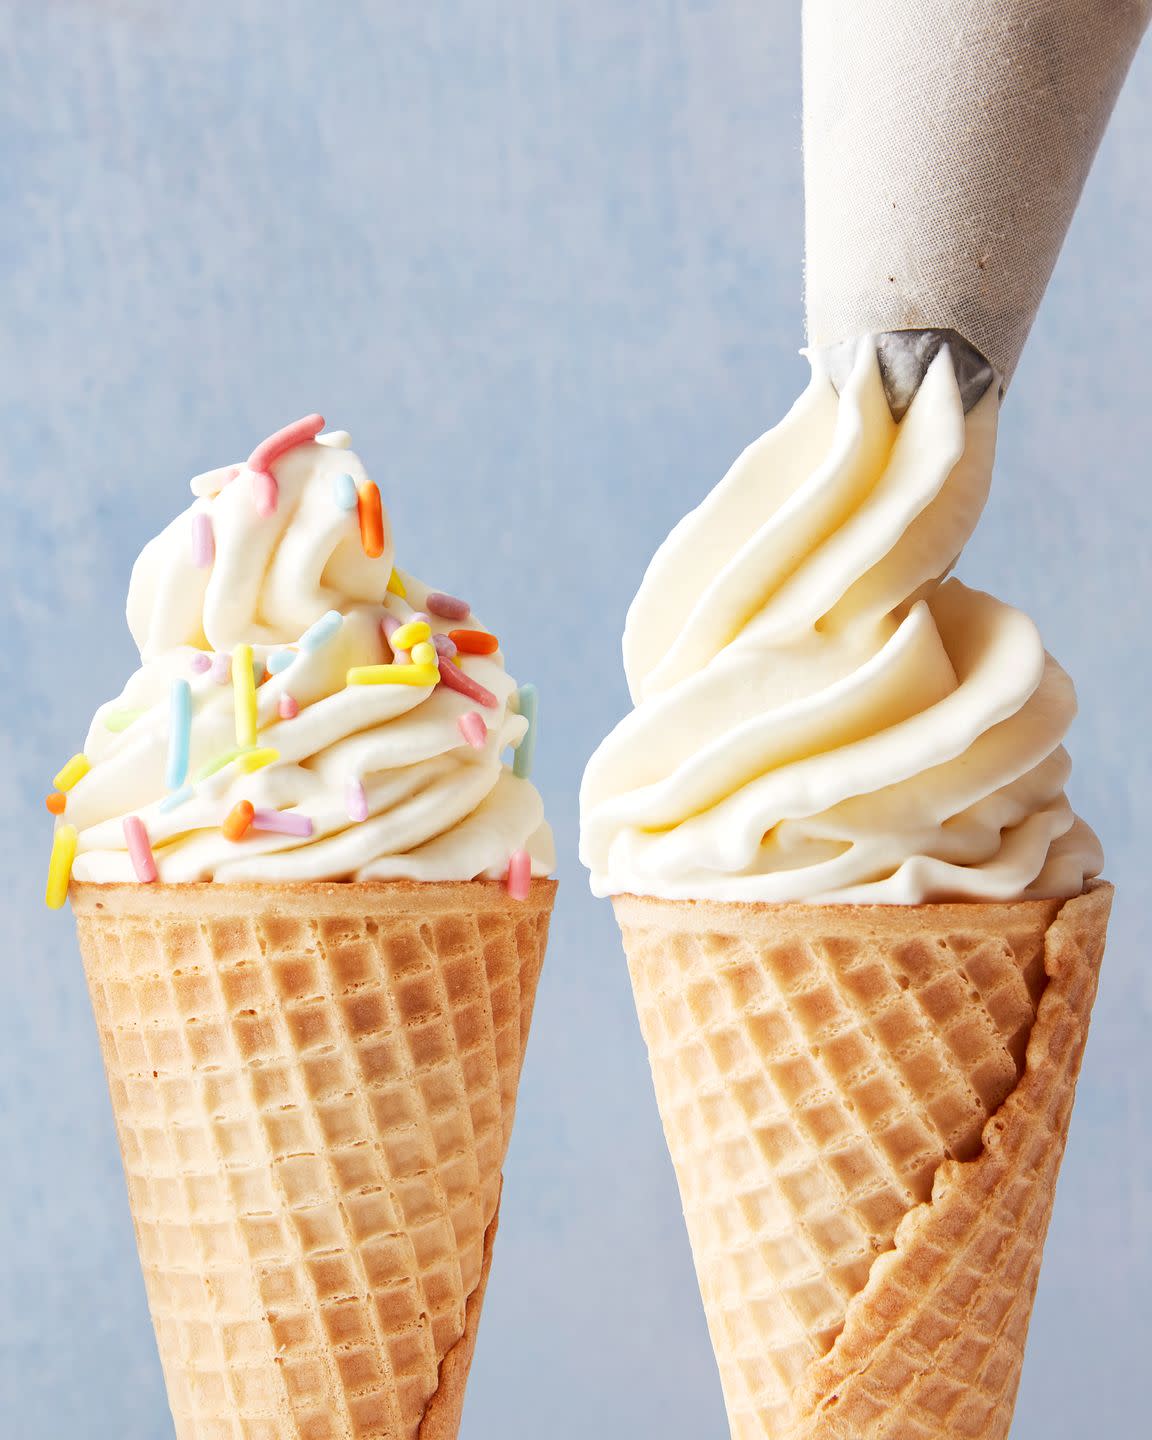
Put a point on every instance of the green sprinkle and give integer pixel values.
(119, 720)
(219, 763)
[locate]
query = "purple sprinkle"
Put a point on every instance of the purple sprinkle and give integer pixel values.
(222, 667)
(445, 646)
(356, 800)
(200, 662)
(284, 822)
(448, 606)
(203, 543)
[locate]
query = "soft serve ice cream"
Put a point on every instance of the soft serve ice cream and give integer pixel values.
(303, 710)
(820, 714)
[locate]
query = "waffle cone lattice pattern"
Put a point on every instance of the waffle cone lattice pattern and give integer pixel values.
(866, 1108)
(314, 1090)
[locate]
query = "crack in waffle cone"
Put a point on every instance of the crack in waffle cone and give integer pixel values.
(314, 1088)
(866, 1107)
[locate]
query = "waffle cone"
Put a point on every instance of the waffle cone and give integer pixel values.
(866, 1107)
(314, 1087)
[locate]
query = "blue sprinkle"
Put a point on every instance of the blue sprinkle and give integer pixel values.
(345, 492)
(177, 797)
(323, 631)
(280, 661)
(179, 733)
(528, 704)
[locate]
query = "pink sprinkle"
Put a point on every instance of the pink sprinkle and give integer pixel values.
(389, 624)
(266, 493)
(356, 800)
(455, 679)
(221, 667)
(289, 706)
(416, 617)
(284, 822)
(203, 542)
(445, 646)
(473, 729)
(519, 879)
(139, 849)
(200, 662)
(448, 606)
(298, 433)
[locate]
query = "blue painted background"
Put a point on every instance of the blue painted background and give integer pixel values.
(543, 260)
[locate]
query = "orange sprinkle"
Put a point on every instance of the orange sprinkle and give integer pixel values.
(474, 642)
(56, 802)
(238, 820)
(371, 515)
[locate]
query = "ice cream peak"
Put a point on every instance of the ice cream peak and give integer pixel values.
(303, 710)
(820, 714)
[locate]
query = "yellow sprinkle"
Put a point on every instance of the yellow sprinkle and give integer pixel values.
(393, 675)
(60, 866)
(75, 769)
(244, 693)
(411, 634)
(396, 585)
(423, 654)
(256, 759)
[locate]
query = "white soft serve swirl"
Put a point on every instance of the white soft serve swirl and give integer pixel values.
(820, 715)
(438, 809)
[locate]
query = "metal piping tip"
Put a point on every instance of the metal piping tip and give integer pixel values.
(904, 357)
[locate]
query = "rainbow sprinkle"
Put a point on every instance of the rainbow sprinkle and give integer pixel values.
(284, 822)
(409, 634)
(289, 707)
(177, 797)
(211, 767)
(264, 487)
(394, 675)
(179, 733)
(200, 663)
(371, 515)
(473, 729)
(445, 648)
(203, 541)
(238, 821)
(221, 667)
(447, 606)
(519, 880)
(60, 866)
(280, 661)
(74, 771)
(396, 585)
(244, 695)
(474, 642)
(139, 849)
(356, 800)
(56, 803)
(119, 720)
(425, 654)
(344, 492)
(455, 679)
(528, 704)
(322, 631)
(249, 760)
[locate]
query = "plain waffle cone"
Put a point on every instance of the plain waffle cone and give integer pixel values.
(314, 1087)
(866, 1107)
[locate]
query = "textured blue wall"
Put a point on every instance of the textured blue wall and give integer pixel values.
(543, 260)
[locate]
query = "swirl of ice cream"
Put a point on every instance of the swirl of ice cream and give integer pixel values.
(365, 780)
(821, 715)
